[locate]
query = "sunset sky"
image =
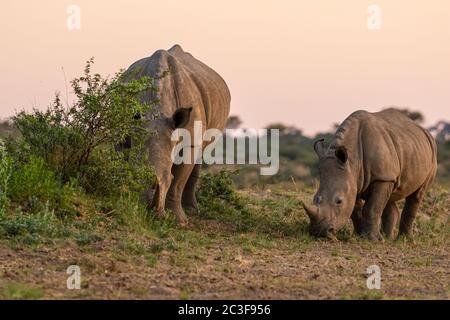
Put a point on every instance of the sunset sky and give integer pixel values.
(303, 63)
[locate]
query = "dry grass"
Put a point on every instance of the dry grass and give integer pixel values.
(262, 252)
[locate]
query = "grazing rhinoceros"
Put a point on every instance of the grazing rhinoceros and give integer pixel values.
(190, 92)
(373, 161)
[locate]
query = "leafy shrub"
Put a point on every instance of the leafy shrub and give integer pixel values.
(78, 141)
(110, 173)
(5, 175)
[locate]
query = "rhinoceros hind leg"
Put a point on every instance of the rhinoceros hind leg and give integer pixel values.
(390, 219)
(412, 205)
(189, 200)
(409, 212)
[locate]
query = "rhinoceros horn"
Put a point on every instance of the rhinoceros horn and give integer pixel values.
(319, 148)
(311, 211)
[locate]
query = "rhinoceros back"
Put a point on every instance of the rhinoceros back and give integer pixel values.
(188, 83)
(389, 146)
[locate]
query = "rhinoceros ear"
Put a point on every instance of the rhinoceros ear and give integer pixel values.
(319, 148)
(181, 117)
(341, 154)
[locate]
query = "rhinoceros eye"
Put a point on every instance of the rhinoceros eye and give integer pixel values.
(341, 154)
(339, 200)
(318, 199)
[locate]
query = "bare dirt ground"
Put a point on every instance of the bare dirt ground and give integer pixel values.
(320, 270)
(212, 260)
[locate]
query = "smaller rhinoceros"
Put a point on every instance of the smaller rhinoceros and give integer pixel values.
(373, 161)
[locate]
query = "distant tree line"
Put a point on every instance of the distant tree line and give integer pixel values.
(299, 161)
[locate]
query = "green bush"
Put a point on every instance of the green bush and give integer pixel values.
(79, 141)
(33, 180)
(110, 173)
(34, 186)
(5, 175)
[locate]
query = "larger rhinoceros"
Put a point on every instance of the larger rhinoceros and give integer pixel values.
(373, 161)
(191, 91)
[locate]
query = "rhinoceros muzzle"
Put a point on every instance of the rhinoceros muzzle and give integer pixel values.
(319, 226)
(321, 230)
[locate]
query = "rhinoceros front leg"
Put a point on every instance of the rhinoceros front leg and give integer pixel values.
(379, 195)
(189, 200)
(181, 174)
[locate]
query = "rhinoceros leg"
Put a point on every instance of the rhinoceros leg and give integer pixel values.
(357, 216)
(390, 219)
(409, 212)
(181, 174)
(412, 205)
(379, 195)
(189, 200)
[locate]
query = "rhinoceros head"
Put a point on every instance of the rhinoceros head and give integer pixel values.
(160, 146)
(334, 201)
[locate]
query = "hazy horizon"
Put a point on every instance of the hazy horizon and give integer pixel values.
(307, 64)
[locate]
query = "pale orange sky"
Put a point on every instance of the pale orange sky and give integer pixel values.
(304, 63)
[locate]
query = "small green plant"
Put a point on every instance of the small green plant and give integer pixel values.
(129, 211)
(30, 228)
(218, 197)
(84, 238)
(34, 183)
(219, 185)
(17, 291)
